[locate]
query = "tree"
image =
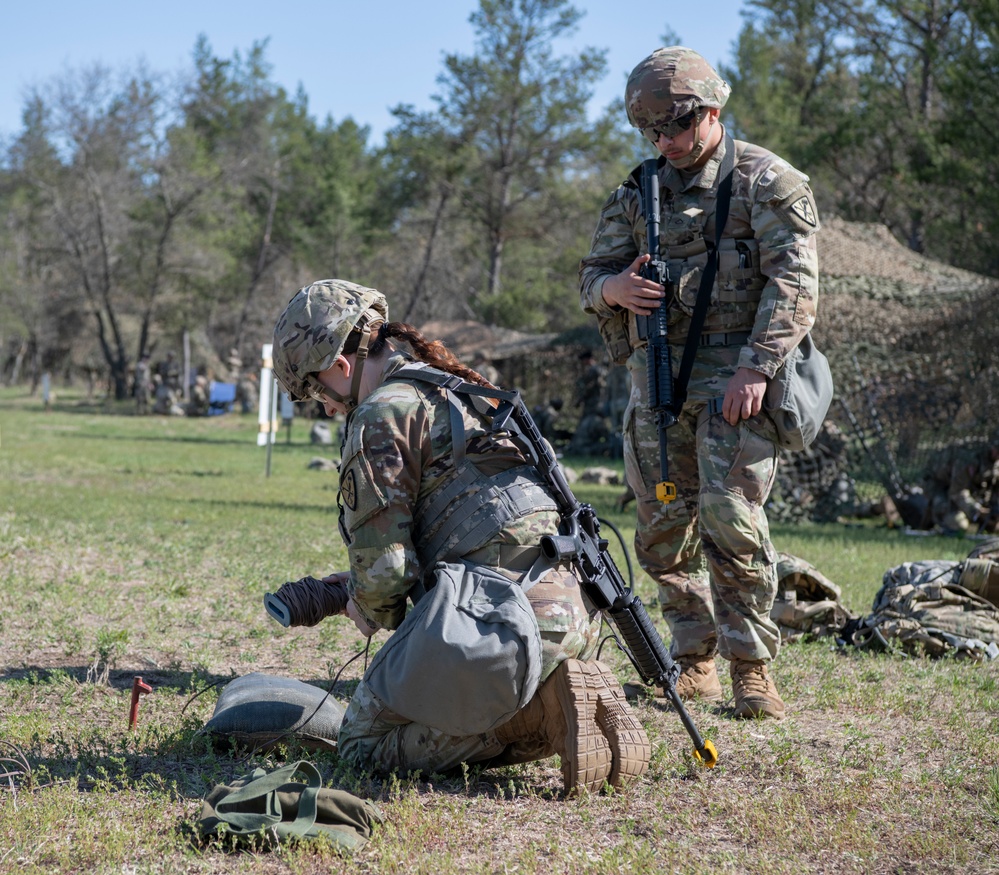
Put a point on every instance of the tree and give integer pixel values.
(85, 158)
(289, 193)
(850, 91)
(522, 110)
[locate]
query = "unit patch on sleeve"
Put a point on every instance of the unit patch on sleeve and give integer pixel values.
(802, 207)
(348, 489)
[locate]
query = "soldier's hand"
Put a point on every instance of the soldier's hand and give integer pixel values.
(629, 289)
(364, 625)
(744, 395)
(337, 581)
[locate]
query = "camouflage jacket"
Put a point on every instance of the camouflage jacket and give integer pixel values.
(767, 281)
(397, 455)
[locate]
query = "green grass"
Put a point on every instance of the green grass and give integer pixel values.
(143, 546)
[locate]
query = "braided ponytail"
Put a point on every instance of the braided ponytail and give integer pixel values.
(430, 352)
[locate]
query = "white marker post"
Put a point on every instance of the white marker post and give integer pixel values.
(287, 413)
(267, 416)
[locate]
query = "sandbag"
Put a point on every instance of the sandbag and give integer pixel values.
(257, 710)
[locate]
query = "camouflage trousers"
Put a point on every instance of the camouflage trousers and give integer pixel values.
(374, 737)
(709, 549)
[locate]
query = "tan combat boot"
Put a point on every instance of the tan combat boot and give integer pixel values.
(698, 679)
(755, 693)
(563, 715)
(630, 748)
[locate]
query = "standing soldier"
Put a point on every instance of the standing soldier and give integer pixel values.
(142, 386)
(709, 549)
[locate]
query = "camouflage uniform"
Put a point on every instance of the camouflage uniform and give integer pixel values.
(709, 550)
(143, 384)
(397, 456)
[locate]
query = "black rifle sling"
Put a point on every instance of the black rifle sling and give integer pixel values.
(707, 279)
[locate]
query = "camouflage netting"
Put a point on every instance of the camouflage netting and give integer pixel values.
(914, 347)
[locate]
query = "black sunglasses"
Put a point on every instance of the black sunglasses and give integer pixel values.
(671, 129)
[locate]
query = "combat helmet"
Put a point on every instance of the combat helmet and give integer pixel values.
(322, 321)
(670, 83)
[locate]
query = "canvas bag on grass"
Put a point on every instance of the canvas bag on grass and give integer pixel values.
(273, 806)
(467, 656)
(808, 604)
(798, 396)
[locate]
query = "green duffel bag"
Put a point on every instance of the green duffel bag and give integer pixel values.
(273, 807)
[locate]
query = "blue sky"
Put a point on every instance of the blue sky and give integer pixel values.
(353, 58)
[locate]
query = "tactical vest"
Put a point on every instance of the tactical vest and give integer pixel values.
(738, 285)
(739, 282)
(470, 508)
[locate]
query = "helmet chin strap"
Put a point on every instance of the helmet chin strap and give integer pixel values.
(695, 154)
(350, 401)
(355, 383)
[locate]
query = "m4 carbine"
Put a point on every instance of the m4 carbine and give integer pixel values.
(579, 543)
(653, 328)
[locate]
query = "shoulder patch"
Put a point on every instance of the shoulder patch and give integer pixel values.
(348, 489)
(362, 493)
(780, 181)
(802, 207)
(798, 212)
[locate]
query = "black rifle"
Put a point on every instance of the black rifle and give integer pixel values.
(580, 544)
(659, 365)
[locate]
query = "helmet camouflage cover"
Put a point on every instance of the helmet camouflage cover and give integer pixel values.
(670, 83)
(313, 329)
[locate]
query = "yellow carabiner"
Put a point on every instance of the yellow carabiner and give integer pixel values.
(666, 491)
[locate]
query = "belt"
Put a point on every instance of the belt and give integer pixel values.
(511, 557)
(730, 338)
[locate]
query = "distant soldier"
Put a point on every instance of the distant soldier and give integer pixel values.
(545, 416)
(198, 405)
(142, 386)
(247, 395)
(590, 386)
(592, 434)
(165, 398)
(962, 483)
(169, 371)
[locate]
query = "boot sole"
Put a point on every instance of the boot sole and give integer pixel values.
(629, 744)
(586, 758)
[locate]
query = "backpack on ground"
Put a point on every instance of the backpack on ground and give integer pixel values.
(937, 608)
